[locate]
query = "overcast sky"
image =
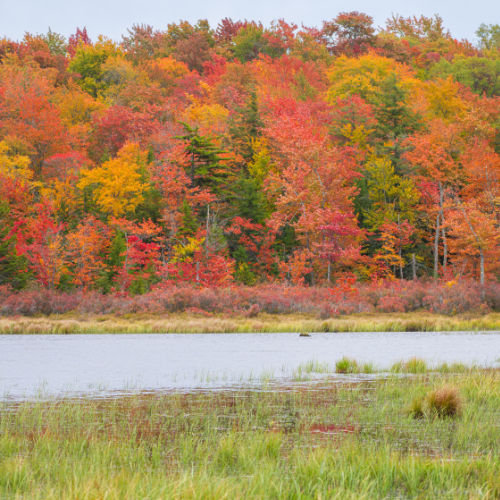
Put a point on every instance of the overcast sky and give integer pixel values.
(113, 17)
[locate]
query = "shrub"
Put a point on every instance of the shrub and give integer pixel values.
(253, 311)
(391, 303)
(384, 296)
(346, 365)
(453, 297)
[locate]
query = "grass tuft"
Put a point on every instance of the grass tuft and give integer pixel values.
(444, 402)
(417, 408)
(413, 365)
(367, 368)
(346, 365)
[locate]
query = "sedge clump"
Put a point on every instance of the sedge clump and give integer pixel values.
(445, 402)
(413, 365)
(346, 365)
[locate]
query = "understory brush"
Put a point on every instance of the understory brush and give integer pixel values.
(324, 302)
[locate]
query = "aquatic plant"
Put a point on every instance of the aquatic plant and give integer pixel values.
(346, 365)
(413, 365)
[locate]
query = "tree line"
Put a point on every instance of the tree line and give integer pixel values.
(247, 153)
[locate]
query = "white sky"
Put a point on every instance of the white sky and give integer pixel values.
(113, 17)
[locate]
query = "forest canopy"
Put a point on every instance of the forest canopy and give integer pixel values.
(245, 153)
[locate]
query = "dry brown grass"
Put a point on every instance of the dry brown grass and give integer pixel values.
(263, 323)
(444, 402)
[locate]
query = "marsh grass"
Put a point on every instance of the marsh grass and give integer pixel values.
(263, 323)
(444, 402)
(314, 366)
(368, 368)
(452, 368)
(346, 365)
(326, 440)
(413, 365)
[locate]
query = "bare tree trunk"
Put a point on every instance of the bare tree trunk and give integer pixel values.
(414, 266)
(400, 264)
(197, 272)
(400, 253)
(207, 231)
(445, 249)
(443, 230)
(481, 271)
(436, 247)
(329, 272)
(192, 167)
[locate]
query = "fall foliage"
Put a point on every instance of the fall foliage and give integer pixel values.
(250, 154)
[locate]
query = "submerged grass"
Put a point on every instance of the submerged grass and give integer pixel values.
(263, 323)
(327, 440)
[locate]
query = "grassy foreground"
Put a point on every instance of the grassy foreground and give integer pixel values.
(263, 323)
(346, 441)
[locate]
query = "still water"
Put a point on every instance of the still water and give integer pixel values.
(64, 365)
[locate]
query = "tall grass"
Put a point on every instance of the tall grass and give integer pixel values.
(413, 365)
(264, 323)
(329, 441)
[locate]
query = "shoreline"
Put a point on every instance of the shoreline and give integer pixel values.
(262, 323)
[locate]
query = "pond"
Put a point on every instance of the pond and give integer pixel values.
(67, 365)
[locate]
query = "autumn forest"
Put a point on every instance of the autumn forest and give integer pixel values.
(249, 155)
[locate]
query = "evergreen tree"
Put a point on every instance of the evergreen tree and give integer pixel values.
(206, 168)
(114, 262)
(395, 121)
(245, 127)
(13, 270)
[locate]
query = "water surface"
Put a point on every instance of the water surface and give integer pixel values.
(59, 365)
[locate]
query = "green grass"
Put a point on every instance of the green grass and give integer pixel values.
(326, 440)
(263, 323)
(346, 365)
(413, 365)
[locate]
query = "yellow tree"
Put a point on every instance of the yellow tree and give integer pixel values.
(117, 186)
(14, 165)
(364, 76)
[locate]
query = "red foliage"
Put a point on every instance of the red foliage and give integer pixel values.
(346, 298)
(120, 125)
(40, 241)
(80, 37)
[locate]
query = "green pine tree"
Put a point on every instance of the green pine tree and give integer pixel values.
(13, 268)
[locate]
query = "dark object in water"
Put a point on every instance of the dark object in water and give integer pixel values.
(304, 334)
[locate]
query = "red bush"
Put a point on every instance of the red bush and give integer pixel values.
(386, 296)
